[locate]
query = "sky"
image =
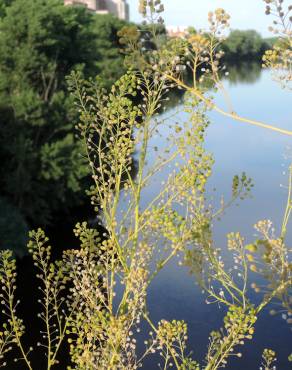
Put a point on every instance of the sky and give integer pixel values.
(245, 14)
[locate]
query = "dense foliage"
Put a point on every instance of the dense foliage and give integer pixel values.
(245, 45)
(96, 296)
(40, 43)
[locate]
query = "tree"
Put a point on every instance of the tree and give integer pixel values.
(96, 296)
(40, 43)
(3, 6)
(110, 62)
(244, 45)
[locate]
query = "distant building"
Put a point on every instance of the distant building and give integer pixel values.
(119, 8)
(176, 31)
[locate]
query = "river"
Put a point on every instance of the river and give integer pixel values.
(264, 156)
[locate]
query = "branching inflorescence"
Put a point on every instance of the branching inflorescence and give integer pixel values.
(96, 296)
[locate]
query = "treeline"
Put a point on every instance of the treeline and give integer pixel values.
(42, 173)
(243, 46)
(41, 42)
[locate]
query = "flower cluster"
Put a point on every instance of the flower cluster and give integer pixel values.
(151, 9)
(269, 358)
(279, 58)
(96, 296)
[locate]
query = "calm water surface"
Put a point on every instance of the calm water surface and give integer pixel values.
(261, 154)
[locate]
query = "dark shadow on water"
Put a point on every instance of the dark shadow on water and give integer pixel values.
(244, 73)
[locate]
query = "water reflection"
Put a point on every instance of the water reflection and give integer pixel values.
(236, 147)
(245, 73)
(13, 228)
(241, 73)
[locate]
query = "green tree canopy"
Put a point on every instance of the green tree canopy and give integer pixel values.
(3, 6)
(110, 62)
(244, 45)
(40, 43)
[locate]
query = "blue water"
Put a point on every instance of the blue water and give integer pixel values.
(262, 154)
